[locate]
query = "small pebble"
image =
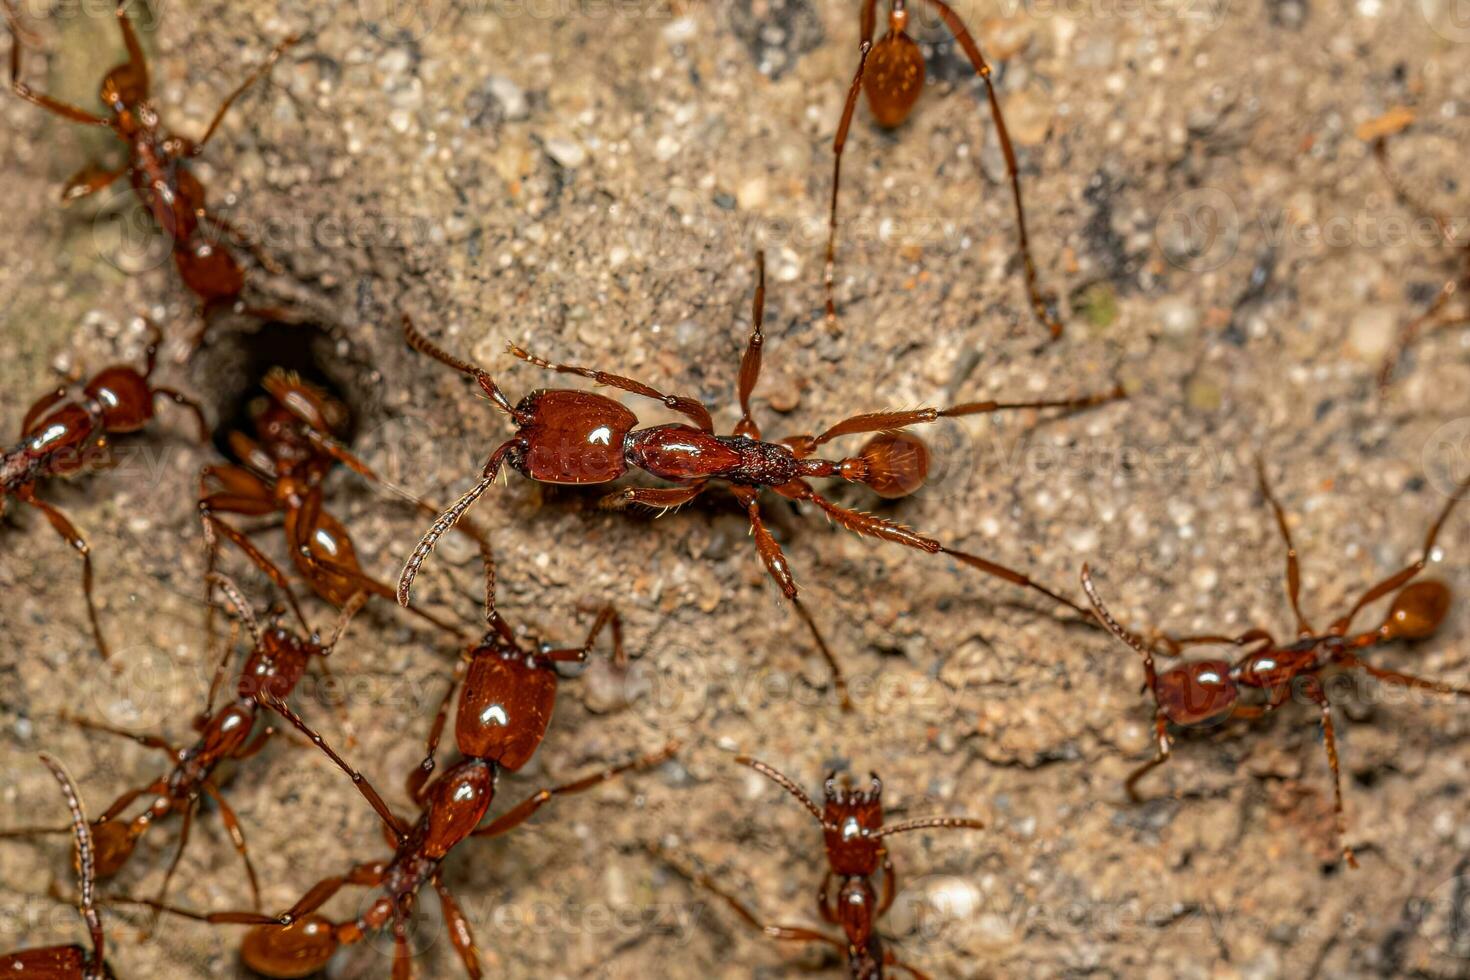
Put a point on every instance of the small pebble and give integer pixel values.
(566, 152)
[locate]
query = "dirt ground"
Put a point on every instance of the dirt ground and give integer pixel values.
(591, 180)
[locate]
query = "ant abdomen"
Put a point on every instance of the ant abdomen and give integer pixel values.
(1417, 611)
(288, 952)
(897, 464)
(1197, 693)
(894, 78)
(124, 398)
(113, 842)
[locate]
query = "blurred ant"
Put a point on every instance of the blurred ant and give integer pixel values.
(506, 701)
(580, 437)
(278, 659)
(1432, 318)
(65, 433)
(157, 168)
(852, 827)
(282, 470)
(1207, 692)
(72, 962)
(891, 74)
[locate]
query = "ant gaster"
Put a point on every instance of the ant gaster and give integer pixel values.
(72, 962)
(505, 704)
(891, 73)
(854, 833)
(580, 437)
(1212, 691)
(62, 432)
(157, 166)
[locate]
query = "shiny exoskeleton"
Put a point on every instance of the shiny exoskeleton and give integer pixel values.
(505, 704)
(581, 437)
(1269, 674)
(855, 835)
(891, 73)
(278, 659)
(157, 165)
(67, 432)
(73, 962)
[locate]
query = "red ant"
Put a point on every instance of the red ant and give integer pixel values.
(852, 826)
(282, 470)
(891, 73)
(580, 437)
(278, 659)
(1211, 691)
(72, 962)
(1431, 317)
(505, 703)
(157, 167)
(59, 435)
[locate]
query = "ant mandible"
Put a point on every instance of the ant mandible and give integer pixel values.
(891, 73)
(1211, 691)
(1433, 317)
(854, 833)
(72, 962)
(60, 434)
(282, 470)
(580, 437)
(278, 659)
(157, 168)
(506, 701)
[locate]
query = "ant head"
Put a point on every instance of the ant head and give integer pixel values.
(1196, 693)
(849, 818)
(113, 841)
(123, 90)
(1417, 611)
(894, 75)
(505, 705)
(305, 402)
(572, 436)
(897, 464)
(298, 950)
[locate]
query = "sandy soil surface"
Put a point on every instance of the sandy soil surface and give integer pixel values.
(591, 180)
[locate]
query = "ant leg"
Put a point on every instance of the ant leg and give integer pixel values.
(750, 361)
(1402, 577)
(373, 586)
(197, 147)
(607, 615)
(365, 875)
(173, 865)
(158, 786)
(460, 935)
(213, 524)
(137, 64)
(63, 109)
(364, 787)
(424, 345)
(88, 181)
(1293, 567)
(402, 954)
(664, 498)
(1403, 193)
(237, 837)
(775, 561)
(184, 401)
(147, 741)
(73, 537)
(1410, 331)
(890, 885)
(1165, 747)
(839, 143)
(1402, 679)
(691, 408)
(425, 769)
(982, 68)
(451, 516)
(522, 811)
(824, 899)
(785, 933)
(1313, 690)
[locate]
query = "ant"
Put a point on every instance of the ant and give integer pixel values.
(852, 827)
(72, 962)
(1211, 691)
(157, 167)
(278, 659)
(60, 434)
(581, 437)
(891, 73)
(1431, 317)
(505, 703)
(282, 470)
